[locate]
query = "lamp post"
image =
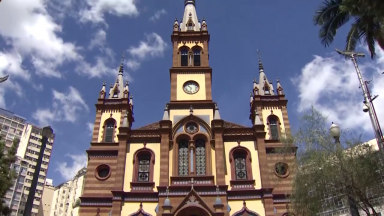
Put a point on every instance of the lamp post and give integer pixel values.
(334, 130)
(46, 133)
(368, 105)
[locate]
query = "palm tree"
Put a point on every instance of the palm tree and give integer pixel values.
(368, 16)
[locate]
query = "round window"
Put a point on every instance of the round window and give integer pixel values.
(102, 172)
(191, 128)
(281, 169)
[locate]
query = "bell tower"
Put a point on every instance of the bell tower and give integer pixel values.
(191, 76)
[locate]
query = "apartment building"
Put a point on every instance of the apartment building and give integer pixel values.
(14, 198)
(66, 196)
(46, 201)
(14, 126)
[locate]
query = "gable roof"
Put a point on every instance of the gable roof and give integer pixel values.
(156, 125)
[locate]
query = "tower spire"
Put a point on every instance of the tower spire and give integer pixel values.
(121, 68)
(261, 67)
(190, 21)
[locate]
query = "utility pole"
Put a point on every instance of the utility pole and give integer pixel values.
(368, 105)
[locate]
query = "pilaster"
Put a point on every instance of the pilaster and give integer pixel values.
(218, 129)
(259, 134)
(165, 130)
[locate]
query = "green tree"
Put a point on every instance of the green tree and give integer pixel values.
(368, 20)
(7, 175)
(330, 174)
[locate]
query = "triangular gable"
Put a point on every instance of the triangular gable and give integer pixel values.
(140, 212)
(245, 211)
(193, 199)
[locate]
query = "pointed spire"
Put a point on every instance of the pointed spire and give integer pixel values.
(254, 83)
(217, 114)
(125, 120)
(261, 67)
(166, 113)
(190, 22)
(251, 98)
(131, 100)
(257, 118)
(121, 69)
(103, 88)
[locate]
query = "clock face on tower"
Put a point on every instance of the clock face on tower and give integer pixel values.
(191, 87)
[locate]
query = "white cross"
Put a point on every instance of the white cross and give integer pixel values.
(192, 182)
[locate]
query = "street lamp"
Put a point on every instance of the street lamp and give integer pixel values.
(368, 100)
(334, 130)
(46, 133)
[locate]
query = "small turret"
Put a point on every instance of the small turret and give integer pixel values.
(279, 89)
(102, 91)
(217, 114)
(204, 26)
(176, 25)
(166, 113)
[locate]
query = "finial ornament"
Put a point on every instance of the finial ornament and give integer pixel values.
(217, 190)
(192, 182)
(191, 110)
(261, 67)
(104, 83)
(167, 191)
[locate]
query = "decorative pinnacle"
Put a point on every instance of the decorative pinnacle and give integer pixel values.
(104, 83)
(167, 191)
(261, 67)
(217, 190)
(191, 110)
(277, 79)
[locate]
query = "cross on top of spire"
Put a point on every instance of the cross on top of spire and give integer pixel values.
(261, 67)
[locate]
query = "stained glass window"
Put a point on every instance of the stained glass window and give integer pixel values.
(144, 163)
(200, 157)
(109, 131)
(183, 158)
(274, 128)
(240, 165)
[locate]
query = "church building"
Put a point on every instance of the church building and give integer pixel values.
(190, 161)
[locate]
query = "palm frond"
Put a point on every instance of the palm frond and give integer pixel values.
(353, 36)
(369, 30)
(329, 28)
(327, 11)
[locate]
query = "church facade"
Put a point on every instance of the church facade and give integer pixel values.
(191, 161)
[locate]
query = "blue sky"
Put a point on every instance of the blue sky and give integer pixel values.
(59, 52)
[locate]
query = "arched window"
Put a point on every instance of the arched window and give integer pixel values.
(241, 167)
(273, 127)
(196, 57)
(266, 90)
(192, 159)
(183, 158)
(109, 130)
(184, 57)
(114, 94)
(200, 157)
(143, 161)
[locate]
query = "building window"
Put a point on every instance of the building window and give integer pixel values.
(114, 94)
(184, 57)
(183, 158)
(109, 130)
(144, 163)
(273, 127)
(196, 57)
(144, 160)
(200, 157)
(241, 167)
(192, 158)
(281, 169)
(103, 172)
(266, 90)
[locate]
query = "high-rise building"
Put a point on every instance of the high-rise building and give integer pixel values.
(46, 201)
(65, 201)
(14, 126)
(14, 198)
(190, 161)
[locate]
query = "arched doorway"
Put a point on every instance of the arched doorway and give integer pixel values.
(192, 211)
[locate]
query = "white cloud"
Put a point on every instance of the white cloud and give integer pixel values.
(132, 64)
(99, 69)
(157, 15)
(90, 127)
(98, 40)
(153, 46)
(65, 107)
(96, 9)
(39, 87)
(68, 171)
(331, 85)
(31, 32)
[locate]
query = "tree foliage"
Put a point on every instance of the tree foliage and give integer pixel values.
(367, 25)
(7, 175)
(333, 175)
